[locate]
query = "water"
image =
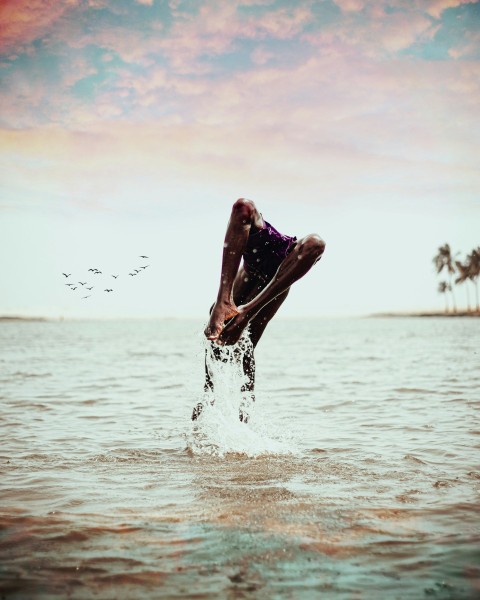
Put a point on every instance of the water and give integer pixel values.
(357, 475)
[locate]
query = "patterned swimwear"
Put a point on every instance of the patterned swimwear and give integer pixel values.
(265, 251)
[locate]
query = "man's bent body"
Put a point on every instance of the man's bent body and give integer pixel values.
(251, 293)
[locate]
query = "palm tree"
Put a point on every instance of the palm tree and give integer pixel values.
(464, 270)
(474, 270)
(442, 289)
(444, 260)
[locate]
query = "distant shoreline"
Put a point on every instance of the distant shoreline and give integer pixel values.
(460, 313)
(17, 318)
(425, 314)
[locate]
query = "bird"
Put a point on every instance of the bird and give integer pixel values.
(73, 288)
(83, 297)
(69, 284)
(145, 267)
(92, 269)
(82, 282)
(66, 274)
(137, 270)
(143, 256)
(114, 276)
(90, 288)
(108, 290)
(132, 274)
(96, 272)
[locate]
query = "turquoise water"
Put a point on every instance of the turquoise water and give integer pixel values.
(357, 475)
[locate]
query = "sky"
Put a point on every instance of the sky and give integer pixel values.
(129, 128)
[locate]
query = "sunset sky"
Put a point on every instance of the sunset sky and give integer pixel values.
(129, 128)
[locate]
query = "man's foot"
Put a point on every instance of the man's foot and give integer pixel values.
(221, 312)
(233, 330)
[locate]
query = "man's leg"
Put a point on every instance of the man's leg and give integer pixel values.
(244, 215)
(257, 327)
(264, 316)
(300, 260)
(242, 292)
(245, 287)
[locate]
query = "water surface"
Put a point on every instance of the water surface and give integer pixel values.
(357, 476)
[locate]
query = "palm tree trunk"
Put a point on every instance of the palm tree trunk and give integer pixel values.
(453, 296)
(476, 295)
(446, 302)
(468, 296)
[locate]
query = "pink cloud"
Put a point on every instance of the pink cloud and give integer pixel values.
(217, 28)
(342, 109)
(467, 47)
(261, 55)
(350, 5)
(26, 20)
(376, 8)
(360, 127)
(435, 8)
(378, 36)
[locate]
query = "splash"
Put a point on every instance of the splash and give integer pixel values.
(228, 420)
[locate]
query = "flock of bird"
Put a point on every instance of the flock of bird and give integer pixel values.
(95, 271)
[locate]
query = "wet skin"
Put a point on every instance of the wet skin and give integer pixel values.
(243, 299)
(244, 216)
(227, 306)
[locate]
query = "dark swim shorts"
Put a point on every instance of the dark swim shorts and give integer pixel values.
(266, 249)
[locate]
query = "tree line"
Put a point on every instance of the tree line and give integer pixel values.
(458, 272)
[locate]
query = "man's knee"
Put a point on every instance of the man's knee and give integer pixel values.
(243, 210)
(312, 245)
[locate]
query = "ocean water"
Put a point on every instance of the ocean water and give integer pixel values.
(357, 475)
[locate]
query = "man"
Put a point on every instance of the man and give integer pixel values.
(251, 293)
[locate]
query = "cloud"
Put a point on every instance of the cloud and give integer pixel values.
(350, 5)
(377, 8)
(435, 8)
(345, 112)
(261, 55)
(359, 130)
(376, 34)
(468, 47)
(24, 21)
(218, 28)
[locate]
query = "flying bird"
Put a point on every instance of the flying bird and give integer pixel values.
(137, 270)
(82, 282)
(73, 288)
(108, 290)
(145, 267)
(143, 256)
(114, 276)
(66, 274)
(96, 272)
(69, 284)
(83, 297)
(132, 274)
(90, 288)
